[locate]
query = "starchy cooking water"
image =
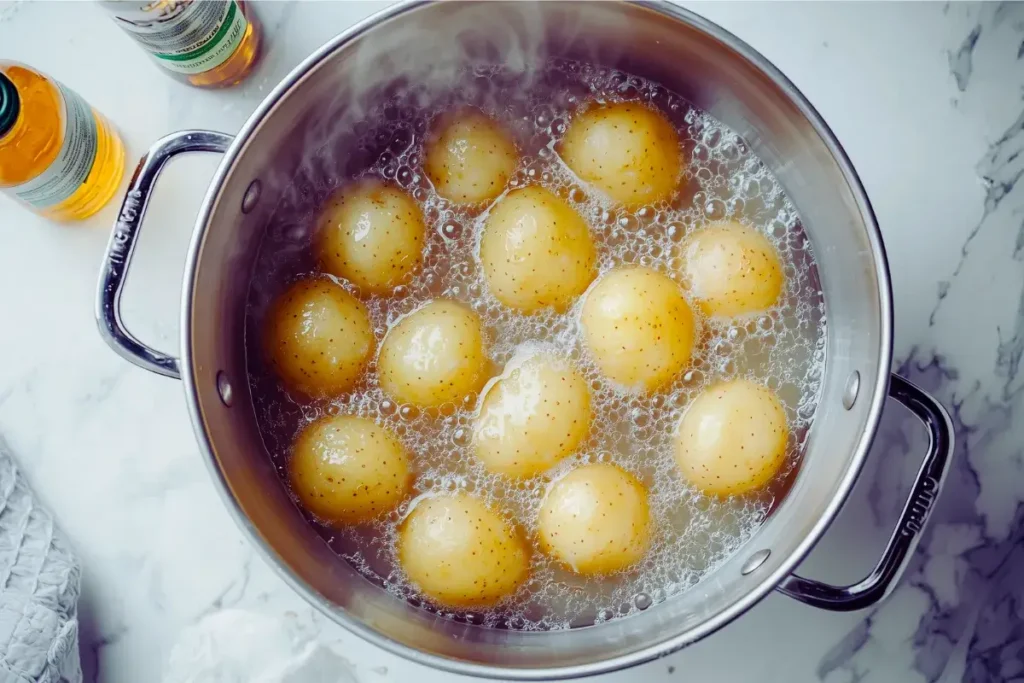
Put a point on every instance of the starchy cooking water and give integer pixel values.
(782, 348)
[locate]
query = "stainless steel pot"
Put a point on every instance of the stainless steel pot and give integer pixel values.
(689, 55)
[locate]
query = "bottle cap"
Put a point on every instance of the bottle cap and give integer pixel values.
(10, 104)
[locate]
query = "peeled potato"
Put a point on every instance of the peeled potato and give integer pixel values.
(627, 150)
(732, 438)
(461, 553)
(434, 355)
(371, 233)
(596, 520)
(731, 270)
(318, 338)
(469, 157)
(638, 327)
(347, 469)
(536, 251)
(537, 413)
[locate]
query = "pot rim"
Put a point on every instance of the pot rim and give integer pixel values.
(655, 650)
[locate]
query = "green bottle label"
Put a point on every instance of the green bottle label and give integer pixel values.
(186, 37)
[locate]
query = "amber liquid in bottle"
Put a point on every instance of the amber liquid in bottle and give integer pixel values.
(53, 157)
(207, 43)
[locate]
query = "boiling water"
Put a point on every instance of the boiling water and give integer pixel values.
(782, 348)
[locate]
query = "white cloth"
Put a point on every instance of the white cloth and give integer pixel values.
(239, 646)
(40, 580)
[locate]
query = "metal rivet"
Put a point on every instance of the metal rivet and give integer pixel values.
(755, 561)
(224, 389)
(252, 195)
(851, 390)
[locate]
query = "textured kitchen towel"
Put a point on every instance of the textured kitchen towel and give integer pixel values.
(39, 585)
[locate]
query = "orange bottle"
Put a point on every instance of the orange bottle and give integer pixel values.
(208, 43)
(58, 156)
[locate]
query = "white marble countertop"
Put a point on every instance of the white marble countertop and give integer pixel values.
(928, 100)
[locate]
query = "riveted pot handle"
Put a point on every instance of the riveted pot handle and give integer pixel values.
(122, 244)
(885, 576)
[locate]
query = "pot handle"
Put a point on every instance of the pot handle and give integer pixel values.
(885, 576)
(118, 257)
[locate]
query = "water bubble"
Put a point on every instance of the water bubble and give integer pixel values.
(628, 222)
(452, 230)
(714, 208)
(712, 137)
(692, 378)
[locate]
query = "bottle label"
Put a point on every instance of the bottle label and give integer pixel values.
(74, 161)
(186, 37)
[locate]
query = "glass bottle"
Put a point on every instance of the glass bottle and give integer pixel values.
(58, 155)
(208, 43)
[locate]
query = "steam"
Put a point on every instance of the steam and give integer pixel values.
(417, 60)
(484, 54)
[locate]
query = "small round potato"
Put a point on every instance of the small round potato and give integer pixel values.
(348, 470)
(627, 150)
(318, 338)
(732, 438)
(371, 234)
(537, 413)
(731, 270)
(469, 157)
(434, 355)
(536, 251)
(461, 553)
(596, 520)
(638, 327)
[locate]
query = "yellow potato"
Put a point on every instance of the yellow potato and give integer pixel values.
(318, 338)
(469, 157)
(371, 233)
(638, 327)
(347, 469)
(732, 438)
(537, 413)
(536, 251)
(595, 520)
(731, 270)
(434, 355)
(627, 150)
(461, 553)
